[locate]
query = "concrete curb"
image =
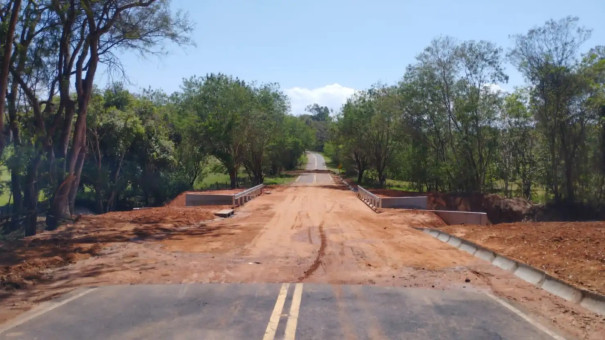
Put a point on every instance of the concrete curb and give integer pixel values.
(589, 300)
(530, 274)
(454, 241)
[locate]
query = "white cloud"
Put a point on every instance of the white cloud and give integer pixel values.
(332, 96)
(495, 88)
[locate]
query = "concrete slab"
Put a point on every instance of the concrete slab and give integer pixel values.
(443, 237)
(529, 274)
(468, 247)
(207, 199)
(454, 241)
(561, 289)
(593, 302)
(485, 254)
(416, 202)
(505, 263)
(462, 217)
(224, 213)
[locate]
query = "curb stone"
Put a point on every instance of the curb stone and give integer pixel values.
(468, 247)
(594, 302)
(561, 289)
(505, 263)
(589, 300)
(454, 241)
(530, 274)
(485, 254)
(443, 237)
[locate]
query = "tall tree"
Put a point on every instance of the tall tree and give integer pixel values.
(58, 49)
(548, 56)
(221, 104)
(262, 123)
(9, 14)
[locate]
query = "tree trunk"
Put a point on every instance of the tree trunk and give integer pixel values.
(4, 69)
(360, 176)
(75, 186)
(111, 202)
(64, 198)
(59, 209)
(233, 177)
(31, 197)
(16, 188)
(17, 200)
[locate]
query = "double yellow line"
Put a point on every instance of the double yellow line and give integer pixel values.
(276, 315)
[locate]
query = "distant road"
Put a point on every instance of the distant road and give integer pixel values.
(315, 161)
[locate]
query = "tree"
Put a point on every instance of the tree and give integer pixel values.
(548, 58)
(113, 127)
(220, 104)
(451, 109)
(319, 119)
(56, 50)
(291, 140)
(102, 27)
(352, 128)
(518, 143)
(9, 14)
(262, 125)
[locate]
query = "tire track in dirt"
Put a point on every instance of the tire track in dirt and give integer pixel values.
(320, 255)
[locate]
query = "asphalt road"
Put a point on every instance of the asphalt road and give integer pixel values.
(268, 311)
(315, 161)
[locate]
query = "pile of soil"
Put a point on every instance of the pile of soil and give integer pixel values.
(26, 262)
(571, 251)
(499, 209)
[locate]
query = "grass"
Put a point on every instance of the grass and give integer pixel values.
(302, 162)
(219, 180)
(5, 179)
(330, 164)
(211, 180)
(283, 179)
(5, 187)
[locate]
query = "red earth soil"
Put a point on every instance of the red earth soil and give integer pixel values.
(571, 251)
(498, 209)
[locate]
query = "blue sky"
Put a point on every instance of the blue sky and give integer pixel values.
(322, 51)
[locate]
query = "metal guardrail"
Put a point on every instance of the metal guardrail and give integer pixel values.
(247, 195)
(369, 198)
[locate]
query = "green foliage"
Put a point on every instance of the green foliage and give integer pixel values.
(320, 122)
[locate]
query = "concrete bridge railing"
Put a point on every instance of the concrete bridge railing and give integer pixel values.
(369, 198)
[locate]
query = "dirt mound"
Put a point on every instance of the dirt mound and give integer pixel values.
(26, 262)
(170, 214)
(570, 251)
(499, 209)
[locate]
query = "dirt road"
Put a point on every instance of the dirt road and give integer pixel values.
(313, 234)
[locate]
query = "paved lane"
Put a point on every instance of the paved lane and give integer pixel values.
(268, 311)
(315, 161)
